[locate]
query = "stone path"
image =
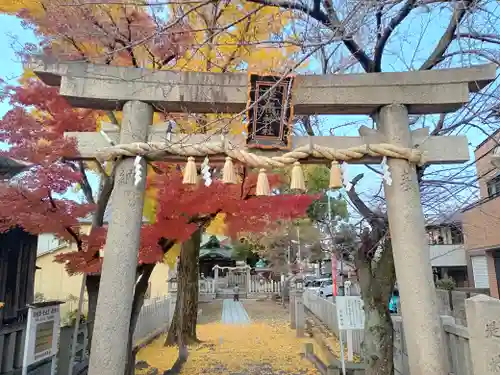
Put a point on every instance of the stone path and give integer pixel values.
(233, 312)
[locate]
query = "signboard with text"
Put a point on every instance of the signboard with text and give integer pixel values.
(350, 313)
(269, 111)
(42, 336)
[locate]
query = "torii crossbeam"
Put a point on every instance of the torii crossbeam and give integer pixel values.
(389, 97)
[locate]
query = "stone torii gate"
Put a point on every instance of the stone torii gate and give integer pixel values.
(389, 97)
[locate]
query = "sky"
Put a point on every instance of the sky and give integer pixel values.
(11, 34)
(411, 45)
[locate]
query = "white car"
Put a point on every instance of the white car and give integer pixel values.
(326, 289)
(314, 285)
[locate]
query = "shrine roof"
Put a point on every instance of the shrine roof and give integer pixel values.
(223, 253)
(212, 245)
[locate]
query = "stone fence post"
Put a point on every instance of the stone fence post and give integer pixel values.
(300, 315)
(292, 307)
(483, 319)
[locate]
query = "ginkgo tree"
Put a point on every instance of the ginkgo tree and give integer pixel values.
(227, 37)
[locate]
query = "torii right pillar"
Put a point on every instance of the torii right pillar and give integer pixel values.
(422, 324)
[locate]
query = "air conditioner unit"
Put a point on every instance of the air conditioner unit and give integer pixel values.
(495, 159)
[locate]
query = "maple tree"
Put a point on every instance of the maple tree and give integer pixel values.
(34, 127)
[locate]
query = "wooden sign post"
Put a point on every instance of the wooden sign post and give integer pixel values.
(389, 97)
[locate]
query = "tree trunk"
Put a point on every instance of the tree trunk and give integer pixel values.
(377, 279)
(92, 284)
(141, 287)
(187, 294)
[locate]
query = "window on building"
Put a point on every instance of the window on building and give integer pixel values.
(431, 237)
(457, 237)
(494, 186)
(61, 242)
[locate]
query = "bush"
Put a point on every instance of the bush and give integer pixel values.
(70, 318)
(447, 283)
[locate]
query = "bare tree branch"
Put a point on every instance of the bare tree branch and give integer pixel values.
(489, 38)
(385, 35)
(373, 218)
(86, 188)
(461, 8)
(104, 196)
(112, 117)
(329, 20)
(490, 56)
(353, 47)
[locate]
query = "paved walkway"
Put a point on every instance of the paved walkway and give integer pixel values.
(233, 312)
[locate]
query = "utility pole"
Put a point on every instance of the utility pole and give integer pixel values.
(333, 260)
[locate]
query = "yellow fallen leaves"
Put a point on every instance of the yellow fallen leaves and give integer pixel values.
(269, 347)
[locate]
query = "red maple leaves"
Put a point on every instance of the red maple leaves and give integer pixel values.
(180, 205)
(182, 209)
(34, 129)
(33, 200)
(37, 212)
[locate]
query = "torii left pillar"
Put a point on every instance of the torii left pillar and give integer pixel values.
(116, 291)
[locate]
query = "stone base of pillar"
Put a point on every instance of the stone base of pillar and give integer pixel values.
(299, 315)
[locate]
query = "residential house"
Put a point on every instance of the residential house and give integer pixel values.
(481, 221)
(447, 250)
(17, 273)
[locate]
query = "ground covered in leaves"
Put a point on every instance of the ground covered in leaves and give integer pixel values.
(267, 346)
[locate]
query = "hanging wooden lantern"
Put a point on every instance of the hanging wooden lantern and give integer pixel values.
(297, 182)
(262, 187)
(335, 176)
(190, 173)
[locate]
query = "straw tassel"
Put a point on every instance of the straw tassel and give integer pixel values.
(190, 174)
(335, 176)
(297, 182)
(262, 184)
(228, 173)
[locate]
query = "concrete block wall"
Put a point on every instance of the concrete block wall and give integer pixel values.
(453, 303)
(484, 334)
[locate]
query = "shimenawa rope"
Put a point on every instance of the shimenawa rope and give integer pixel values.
(159, 150)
